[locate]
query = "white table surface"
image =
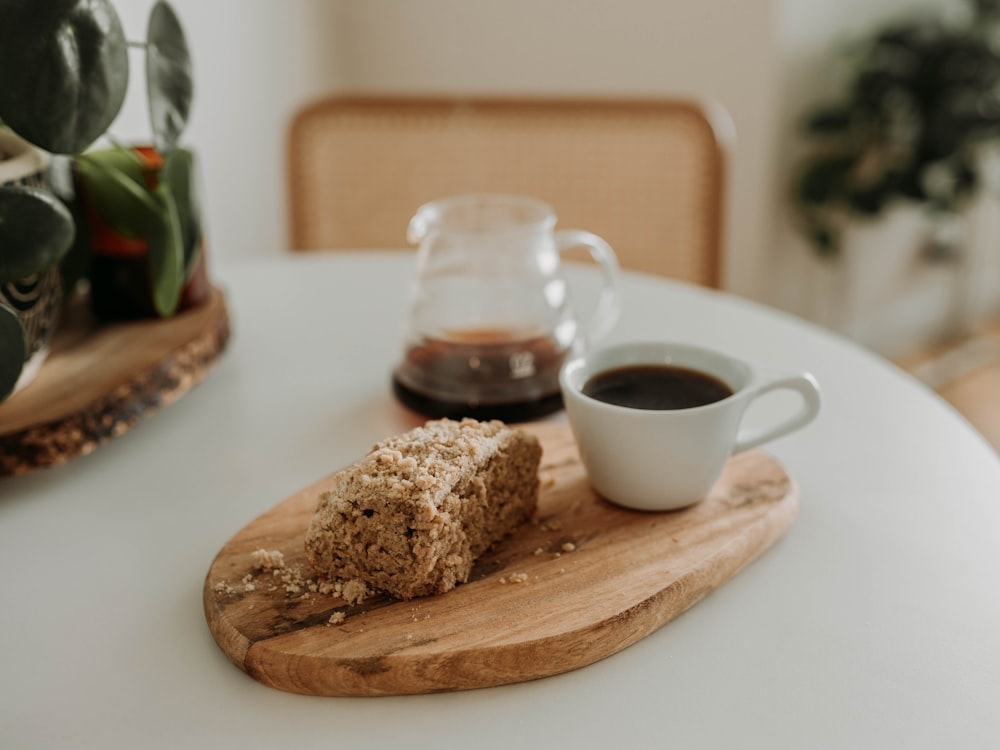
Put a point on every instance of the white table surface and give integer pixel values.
(874, 623)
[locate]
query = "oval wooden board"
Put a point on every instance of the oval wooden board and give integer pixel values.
(597, 578)
(99, 381)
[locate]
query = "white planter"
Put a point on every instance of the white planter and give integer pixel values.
(886, 294)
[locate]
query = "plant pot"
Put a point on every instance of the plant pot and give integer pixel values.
(119, 283)
(121, 277)
(36, 299)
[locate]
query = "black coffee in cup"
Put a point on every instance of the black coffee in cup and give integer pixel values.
(656, 387)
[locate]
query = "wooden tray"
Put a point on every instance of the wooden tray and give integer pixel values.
(596, 578)
(99, 381)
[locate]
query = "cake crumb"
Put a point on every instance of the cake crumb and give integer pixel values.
(568, 547)
(263, 559)
(336, 618)
(538, 551)
(354, 591)
(515, 578)
(291, 579)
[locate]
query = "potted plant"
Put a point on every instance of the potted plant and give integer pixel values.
(63, 76)
(922, 98)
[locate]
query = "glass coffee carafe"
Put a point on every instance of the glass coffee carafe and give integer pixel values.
(491, 316)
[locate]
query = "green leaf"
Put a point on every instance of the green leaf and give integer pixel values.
(116, 185)
(168, 76)
(166, 255)
(122, 158)
(36, 230)
(869, 201)
(824, 179)
(826, 241)
(63, 71)
(833, 120)
(13, 350)
(910, 186)
(180, 176)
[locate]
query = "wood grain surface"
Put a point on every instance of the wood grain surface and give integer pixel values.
(99, 381)
(583, 580)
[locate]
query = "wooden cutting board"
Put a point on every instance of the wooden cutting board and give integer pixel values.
(583, 580)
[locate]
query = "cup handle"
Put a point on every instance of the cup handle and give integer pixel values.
(802, 383)
(606, 313)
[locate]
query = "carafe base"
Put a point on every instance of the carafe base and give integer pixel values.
(437, 408)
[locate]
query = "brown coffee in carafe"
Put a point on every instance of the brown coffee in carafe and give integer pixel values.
(484, 373)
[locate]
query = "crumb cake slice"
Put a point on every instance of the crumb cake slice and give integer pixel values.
(413, 515)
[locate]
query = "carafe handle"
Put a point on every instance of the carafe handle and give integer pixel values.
(606, 313)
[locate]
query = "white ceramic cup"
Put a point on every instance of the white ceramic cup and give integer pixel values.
(665, 459)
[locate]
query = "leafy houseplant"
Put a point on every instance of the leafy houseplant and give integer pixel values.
(923, 97)
(63, 76)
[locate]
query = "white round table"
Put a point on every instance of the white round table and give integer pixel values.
(874, 622)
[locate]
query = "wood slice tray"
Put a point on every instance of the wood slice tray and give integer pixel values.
(583, 580)
(99, 381)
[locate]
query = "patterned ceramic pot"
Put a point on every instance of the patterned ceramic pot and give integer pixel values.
(37, 298)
